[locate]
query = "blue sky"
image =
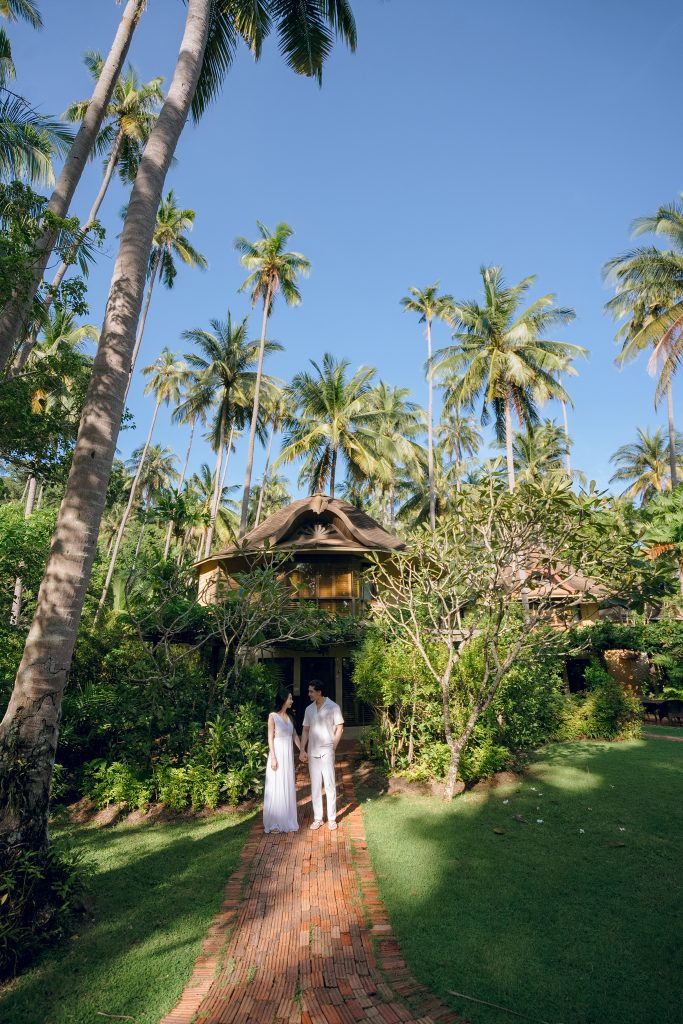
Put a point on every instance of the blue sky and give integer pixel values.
(515, 132)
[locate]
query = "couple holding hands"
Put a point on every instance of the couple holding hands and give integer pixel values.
(322, 731)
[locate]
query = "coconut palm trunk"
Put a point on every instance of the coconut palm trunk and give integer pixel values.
(565, 420)
(15, 614)
(254, 414)
(333, 469)
(29, 730)
(169, 530)
(17, 313)
(259, 507)
(430, 429)
(672, 441)
(508, 444)
(126, 515)
(215, 501)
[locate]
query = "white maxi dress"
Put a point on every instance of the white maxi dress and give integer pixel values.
(279, 799)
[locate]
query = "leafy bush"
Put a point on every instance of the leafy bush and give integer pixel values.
(527, 710)
(39, 900)
(604, 711)
(483, 759)
(115, 783)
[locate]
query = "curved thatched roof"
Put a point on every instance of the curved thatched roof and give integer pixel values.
(318, 524)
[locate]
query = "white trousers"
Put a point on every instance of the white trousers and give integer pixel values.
(322, 771)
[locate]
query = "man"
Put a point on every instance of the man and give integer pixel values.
(323, 728)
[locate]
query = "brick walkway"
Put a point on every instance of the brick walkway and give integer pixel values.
(303, 937)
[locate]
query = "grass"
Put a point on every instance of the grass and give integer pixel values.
(575, 917)
(154, 892)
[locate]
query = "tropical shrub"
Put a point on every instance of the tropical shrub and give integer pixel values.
(605, 710)
(39, 900)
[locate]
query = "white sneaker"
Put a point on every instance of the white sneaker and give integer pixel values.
(314, 825)
(332, 825)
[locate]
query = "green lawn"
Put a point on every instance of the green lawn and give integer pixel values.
(154, 892)
(573, 918)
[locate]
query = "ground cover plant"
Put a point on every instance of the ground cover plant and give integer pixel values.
(569, 914)
(154, 891)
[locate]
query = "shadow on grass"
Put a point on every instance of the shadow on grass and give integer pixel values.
(155, 890)
(569, 914)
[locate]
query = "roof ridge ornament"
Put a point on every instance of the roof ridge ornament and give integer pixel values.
(320, 502)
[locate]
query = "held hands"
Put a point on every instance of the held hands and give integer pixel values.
(303, 757)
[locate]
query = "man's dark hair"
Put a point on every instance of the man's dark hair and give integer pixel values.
(318, 686)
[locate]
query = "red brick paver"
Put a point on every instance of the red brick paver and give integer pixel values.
(303, 937)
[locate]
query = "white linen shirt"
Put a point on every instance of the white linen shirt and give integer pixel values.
(322, 725)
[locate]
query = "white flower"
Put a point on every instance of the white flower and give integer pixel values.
(539, 821)
(506, 801)
(533, 789)
(582, 831)
(621, 829)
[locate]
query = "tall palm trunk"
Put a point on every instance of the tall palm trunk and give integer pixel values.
(169, 530)
(143, 321)
(254, 414)
(672, 436)
(508, 445)
(264, 477)
(430, 429)
(29, 730)
(566, 434)
(15, 614)
(30, 343)
(126, 514)
(333, 469)
(17, 313)
(215, 501)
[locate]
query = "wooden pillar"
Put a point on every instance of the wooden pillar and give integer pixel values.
(338, 684)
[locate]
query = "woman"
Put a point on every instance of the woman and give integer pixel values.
(279, 801)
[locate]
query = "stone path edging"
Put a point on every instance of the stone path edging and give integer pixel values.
(303, 937)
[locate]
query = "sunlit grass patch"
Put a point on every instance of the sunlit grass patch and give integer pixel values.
(553, 896)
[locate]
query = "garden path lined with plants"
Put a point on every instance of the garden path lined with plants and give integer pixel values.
(302, 935)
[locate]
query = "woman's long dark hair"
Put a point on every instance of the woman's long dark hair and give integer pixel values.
(280, 697)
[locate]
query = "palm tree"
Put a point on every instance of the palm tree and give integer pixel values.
(157, 471)
(225, 382)
(205, 54)
(649, 293)
(414, 489)
(429, 305)
(400, 421)
(169, 241)
(16, 316)
(272, 270)
(128, 122)
(188, 411)
(644, 465)
(664, 528)
(458, 437)
(182, 508)
(541, 450)
(277, 412)
(335, 416)
(167, 376)
(28, 140)
(268, 497)
(501, 355)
